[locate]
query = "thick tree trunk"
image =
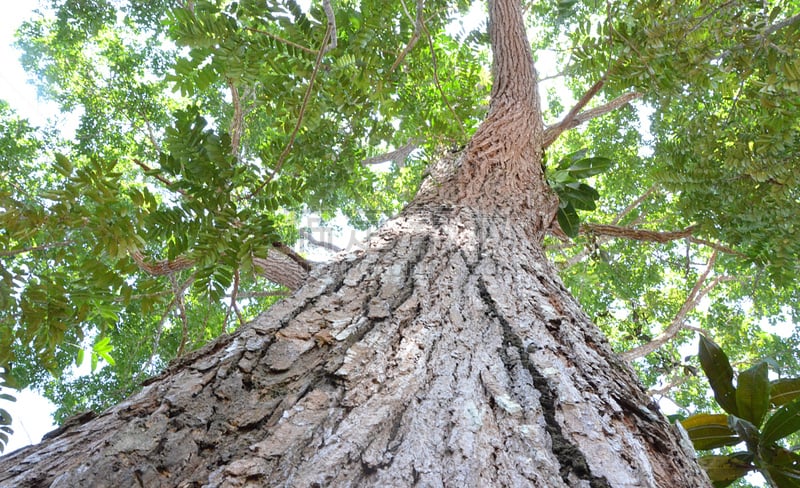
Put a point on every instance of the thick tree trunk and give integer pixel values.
(446, 353)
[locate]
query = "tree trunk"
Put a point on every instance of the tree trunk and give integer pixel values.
(446, 353)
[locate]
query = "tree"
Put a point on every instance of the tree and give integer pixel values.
(445, 352)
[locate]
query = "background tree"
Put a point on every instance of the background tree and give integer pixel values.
(172, 198)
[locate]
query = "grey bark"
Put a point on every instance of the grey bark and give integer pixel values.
(446, 353)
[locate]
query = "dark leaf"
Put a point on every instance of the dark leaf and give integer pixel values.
(587, 167)
(724, 469)
(719, 373)
(568, 219)
(784, 390)
(752, 393)
(783, 422)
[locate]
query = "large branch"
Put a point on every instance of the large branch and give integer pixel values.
(512, 61)
(282, 266)
(398, 156)
(636, 234)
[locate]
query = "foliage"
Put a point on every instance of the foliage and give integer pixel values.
(761, 413)
(5, 418)
(573, 194)
(163, 167)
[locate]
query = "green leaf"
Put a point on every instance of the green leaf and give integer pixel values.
(719, 373)
(752, 393)
(6, 396)
(584, 168)
(724, 469)
(783, 422)
(62, 165)
(746, 431)
(784, 390)
(568, 219)
(709, 431)
(567, 161)
(580, 195)
(784, 477)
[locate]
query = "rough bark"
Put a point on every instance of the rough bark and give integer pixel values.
(446, 353)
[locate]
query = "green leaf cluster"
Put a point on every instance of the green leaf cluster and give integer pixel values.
(573, 194)
(760, 413)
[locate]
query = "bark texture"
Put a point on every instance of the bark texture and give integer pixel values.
(446, 353)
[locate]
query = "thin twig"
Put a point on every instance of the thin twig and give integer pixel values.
(182, 314)
(232, 305)
(160, 327)
(282, 40)
(306, 98)
(418, 25)
(43, 247)
(633, 205)
(157, 176)
(716, 246)
(435, 66)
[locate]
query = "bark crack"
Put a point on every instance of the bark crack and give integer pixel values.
(570, 457)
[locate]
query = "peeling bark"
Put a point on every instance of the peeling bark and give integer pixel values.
(445, 353)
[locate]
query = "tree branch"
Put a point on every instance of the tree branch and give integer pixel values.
(280, 268)
(418, 25)
(282, 40)
(636, 234)
(307, 235)
(177, 290)
(633, 205)
(586, 98)
(551, 133)
(695, 295)
(283, 266)
(43, 247)
(157, 176)
(237, 121)
(398, 156)
(331, 17)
